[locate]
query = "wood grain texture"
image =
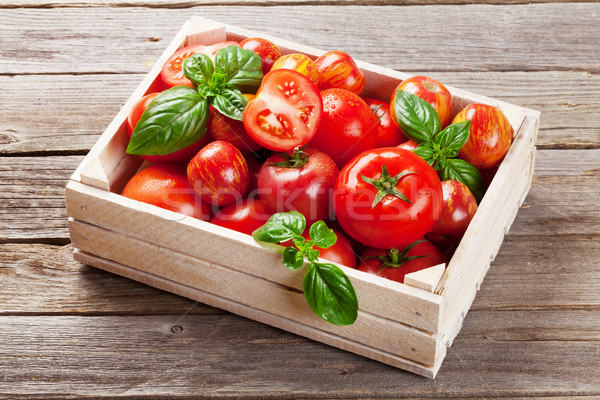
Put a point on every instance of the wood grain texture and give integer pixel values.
(118, 40)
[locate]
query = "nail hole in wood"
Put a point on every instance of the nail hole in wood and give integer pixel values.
(176, 329)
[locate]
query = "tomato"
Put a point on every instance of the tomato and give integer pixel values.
(172, 73)
(180, 156)
(408, 145)
(254, 165)
(389, 134)
(341, 252)
(219, 173)
(368, 198)
(286, 112)
(221, 127)
(348, 126)
(166, 186)
(432, 92)
(338, 70)
(245, 215)
(266, 50)
(300, 63)
(458, 208)
(395, 263)
(490, 138)
(305, 187)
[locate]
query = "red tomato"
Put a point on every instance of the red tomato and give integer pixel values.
(408, 145)
(181, 156)
(394, 265)
(338, 70)
(245, 215)
(172, 72)
(432, 92)
(458, 208)
(341, 252)
(306, 188)
(300, 63)
(266, 50)
(219, 173)
(221, 127)
(380, 218)
(348, 126)
(389, 134)
(286, 112)
(166, 186)
(490, 138)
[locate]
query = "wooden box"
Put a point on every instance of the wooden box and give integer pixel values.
(229, 270)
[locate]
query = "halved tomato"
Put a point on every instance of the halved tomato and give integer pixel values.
(286, 112)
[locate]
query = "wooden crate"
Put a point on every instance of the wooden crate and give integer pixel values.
(229, 270)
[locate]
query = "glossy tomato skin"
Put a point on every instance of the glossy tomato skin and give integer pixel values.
(490, 138)
(338, 70)
(408, 145)
(392, 222)
(286, 112)
(389, 134)
(219, 173)
(458, 208)
(172, 72)
(306, 189)
(341, 252)
(432, 92)
(348, 126)
(221, 127)
(300, 63)
(372, 265)
(266, 50)
(181, 156)
(245, 215)
(166, 186)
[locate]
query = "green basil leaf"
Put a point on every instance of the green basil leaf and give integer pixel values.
(229, 102)
(198, 68)
(417, 118)
(321, 235)
(206, 92)
(281, 227)
(175, 119)
(330, 294)
(240, 66)
(293, 259)
(217, 81)
(453, 138)
(426, 152)
(460, 170)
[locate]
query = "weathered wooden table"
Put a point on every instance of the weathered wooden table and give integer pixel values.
(68, 330)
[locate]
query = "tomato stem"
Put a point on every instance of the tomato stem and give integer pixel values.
(386, 185)
(396, 258)
(297, 160)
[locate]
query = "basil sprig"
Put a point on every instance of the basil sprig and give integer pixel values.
(177, 117)
(327, 289)
(421, 123)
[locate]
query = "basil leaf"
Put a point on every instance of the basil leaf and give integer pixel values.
(281, 227)
(175, 119)
(293, 259)
(453, 138)
(217, 81)
(229, 102)
(426, 152)
(198, 68)
(321, 235)
(330, 294)
(240, 66)
(460, 170)
(417, 118)
(205, 91)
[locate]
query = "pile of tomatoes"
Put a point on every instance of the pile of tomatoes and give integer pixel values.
(308, 142)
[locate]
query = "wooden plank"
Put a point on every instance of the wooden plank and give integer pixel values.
(48, 40)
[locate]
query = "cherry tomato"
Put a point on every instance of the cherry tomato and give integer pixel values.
(286, 112)
(341, 252)
(490, 138)
(371, 193)
(166, 186)
(395, 263)
(408, 145)
(181, 156)
(172, 72)
(300, 63)
(266, 50)
(389, 134)
(432, 92)
(338, 70)
(458, 208)
(245, 215)
(221, 127)
(305, 184)
(348, 126)
(219, 173)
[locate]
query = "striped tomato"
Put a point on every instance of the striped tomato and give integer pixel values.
(338, 70)
(300, 63)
